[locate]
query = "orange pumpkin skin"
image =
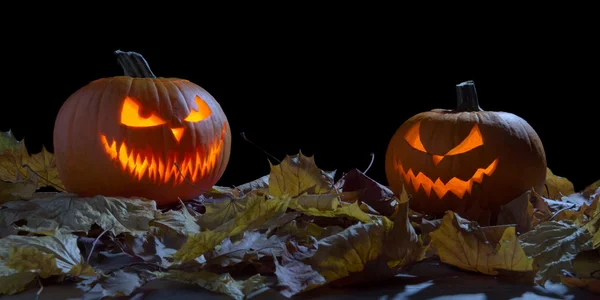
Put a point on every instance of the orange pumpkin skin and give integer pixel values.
(466, 160)
(135, 136)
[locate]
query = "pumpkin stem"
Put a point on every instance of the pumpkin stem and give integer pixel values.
(466, 97)
(134, 64)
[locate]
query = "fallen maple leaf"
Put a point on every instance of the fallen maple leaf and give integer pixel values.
(585, 266)
(220, 212)
(219, 283)
(258, 210)
(78, 214)
(294, 276)
(298, 174)
(180, 221)
(253, 246)
(23, 189)
(356, 186)
(518, 212)
(117, 284)
(557, 186)
(351, 210)
(42, 255)
(487, 250)
(259, 185)
(15, 162)
(553, 245)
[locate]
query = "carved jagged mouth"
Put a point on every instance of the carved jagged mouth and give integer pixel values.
(160, 167)
(455, 185)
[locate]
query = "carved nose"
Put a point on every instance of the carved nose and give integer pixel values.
(177, 133)
(437, 159)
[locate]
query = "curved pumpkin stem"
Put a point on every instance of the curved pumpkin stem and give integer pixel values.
(466, 97)
(134, 64)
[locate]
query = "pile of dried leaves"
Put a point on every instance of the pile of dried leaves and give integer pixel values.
(293, 230)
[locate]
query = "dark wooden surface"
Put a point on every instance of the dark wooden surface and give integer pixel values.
(426, 280)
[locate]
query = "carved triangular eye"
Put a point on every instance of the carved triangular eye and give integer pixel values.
(472, 141)
(202, 113)
(413, 137)
(130, 115)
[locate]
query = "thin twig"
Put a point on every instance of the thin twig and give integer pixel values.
(243, 134)
(39, 292)
(94, 244)
(46, 180)
(371, 163)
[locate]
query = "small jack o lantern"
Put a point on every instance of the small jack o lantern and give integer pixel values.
(466, 160)
(141, 136)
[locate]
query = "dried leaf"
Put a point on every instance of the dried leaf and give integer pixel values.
(349, 251)
(357, 186)
(486, 250)
(78, 214)
(43, 255)
(218, 283)
(258, 211)
(295, 277)
(14, 159)
(322, 202)
(253, 245)
(343, 210)
(117, 284)
(220, 212)
(518, 212)
(23, 189)
(585, 267)
(553, 245)
(180, 221)
(591, 190)
(259, 185)
(557, 186)
(402, 244)
(296, 175)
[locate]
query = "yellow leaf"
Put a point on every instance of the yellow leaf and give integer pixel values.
(402, 245)
(349, 251)
(258, 211)
(13, 157)
(585, 265)
(23, 189)
(591, 189)
(486, 250)
(318, 201)
(44, 255)
(12, 282)
(218, 283)
(351, 210)
(220, 212)
(557, 186)
(298, 174)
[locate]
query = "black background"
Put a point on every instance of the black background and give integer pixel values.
(338, 93)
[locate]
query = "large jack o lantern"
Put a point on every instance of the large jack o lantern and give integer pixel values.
(143, 136)
(466, 160)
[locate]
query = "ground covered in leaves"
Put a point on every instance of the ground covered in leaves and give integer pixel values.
(293, 230)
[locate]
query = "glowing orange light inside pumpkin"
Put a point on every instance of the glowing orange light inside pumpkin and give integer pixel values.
(472, 141)
(202, 113)
(130, 115)
(159, 167)
(455, 185)
(177, 133)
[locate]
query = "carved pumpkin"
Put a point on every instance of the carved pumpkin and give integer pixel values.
(139, 135)
(466, 160)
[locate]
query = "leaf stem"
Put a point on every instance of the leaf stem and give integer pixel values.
(370, 164)
(46, 180)
(95, 242)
